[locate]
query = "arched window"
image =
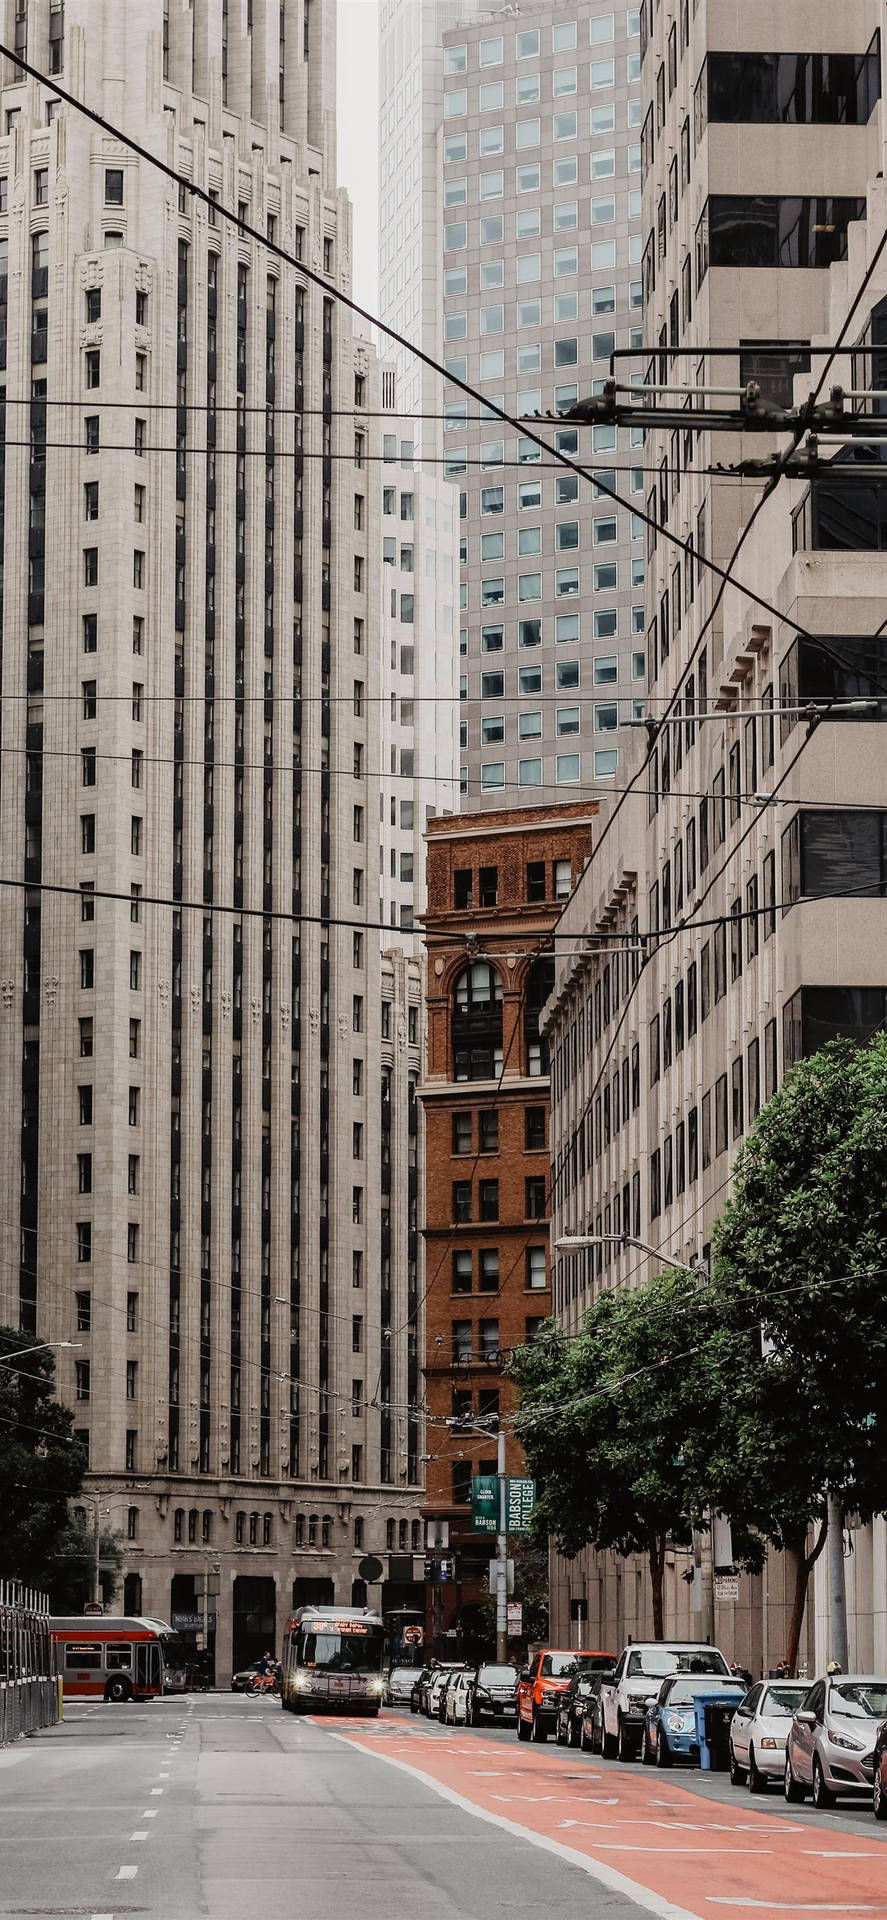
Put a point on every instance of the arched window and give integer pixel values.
(389, 1534)
(253, 1529)
(477, 1023)
(207, 1524)
(178, 1523)
(326, 1531)
(300, 1529)
(266, 1529)
(358, 1593)
(402, 1536)
(312, 1529)
(538, 985)
(238, 1530)
(416, 1540)
(358, 1531)
(192, 1525)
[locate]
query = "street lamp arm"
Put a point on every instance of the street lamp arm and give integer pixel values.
(575, 1242)
(43, 1346)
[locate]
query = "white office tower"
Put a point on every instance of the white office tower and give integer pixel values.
(197, 1185)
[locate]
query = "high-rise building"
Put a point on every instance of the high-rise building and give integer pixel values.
(485, 1094)
(762, 130)
(541, 283)
(196, 1174)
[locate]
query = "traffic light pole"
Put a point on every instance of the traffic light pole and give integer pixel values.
(501, 1556)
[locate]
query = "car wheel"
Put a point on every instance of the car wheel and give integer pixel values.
(822, 1794)
(879, 1797)
(559, 1737)
(540, 1731)
(573, 1739)
(663, 1750)
(647, 1758)
(117, 1690)
(757, 1781)
(475, 1717)
(625, 1747)
(608, 1744)
(414, 1706)
(524, 1730)
(584, 1742)
(737, 1773)
(793, 1789)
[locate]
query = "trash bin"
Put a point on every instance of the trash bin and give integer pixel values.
(714, 1712)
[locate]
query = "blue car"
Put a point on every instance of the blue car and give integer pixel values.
(670, 1720)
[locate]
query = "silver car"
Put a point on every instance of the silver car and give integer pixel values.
(831, 1741)
(759, 1729)
(399, 1686)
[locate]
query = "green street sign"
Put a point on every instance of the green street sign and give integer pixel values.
(484, 1503)
(520, 1499)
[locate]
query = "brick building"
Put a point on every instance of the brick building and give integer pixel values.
(496, 886)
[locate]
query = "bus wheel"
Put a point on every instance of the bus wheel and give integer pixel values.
(118, 1689)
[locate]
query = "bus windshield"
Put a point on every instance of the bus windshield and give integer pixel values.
(351, 1649)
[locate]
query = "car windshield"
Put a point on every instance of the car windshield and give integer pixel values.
(683, 1692)
(558, 1666)
(656, 1662)
(782, 1702)
(496, 1676)
(403, 1675)
(860, 1699)
(595, 1662)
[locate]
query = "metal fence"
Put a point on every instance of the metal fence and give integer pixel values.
(29, 1693)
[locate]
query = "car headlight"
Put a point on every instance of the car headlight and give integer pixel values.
(768, 1741)
(636, 1699)
(844, 1740)
(302, 1683)
(677, 1722)
(377, 1684)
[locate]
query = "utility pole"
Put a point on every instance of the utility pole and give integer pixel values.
(837, 1596)
(501, 1555)
(96, 1535)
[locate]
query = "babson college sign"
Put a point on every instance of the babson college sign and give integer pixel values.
(520, 1496)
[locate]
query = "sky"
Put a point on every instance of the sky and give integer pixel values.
(358, 136)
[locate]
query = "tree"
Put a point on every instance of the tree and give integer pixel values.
(41, 1465)
(604, 1420)
(800, 1257)
(70, 1578)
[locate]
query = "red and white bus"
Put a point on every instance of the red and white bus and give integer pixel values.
(112, 1657)
(332, 1657)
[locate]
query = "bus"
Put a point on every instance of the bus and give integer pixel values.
(332, 1657)
(113, 1657)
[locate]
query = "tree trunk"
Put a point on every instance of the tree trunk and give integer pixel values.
(656, 1558)
(803, 1563)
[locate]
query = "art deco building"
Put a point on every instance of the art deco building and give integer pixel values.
(762, 130)
(208, 1070)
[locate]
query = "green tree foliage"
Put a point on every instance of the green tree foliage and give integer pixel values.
(70, 1576)
(800, 1256)
(603, 1422)
(41, 1465)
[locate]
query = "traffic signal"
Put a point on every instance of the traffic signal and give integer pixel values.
(429, 1569)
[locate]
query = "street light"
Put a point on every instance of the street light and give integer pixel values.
(573, 1243)
(41, 1347)
(487, 1424)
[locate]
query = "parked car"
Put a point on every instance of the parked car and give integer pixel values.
(455, 1700)
(571, 1707)
(879, 1777)
(541, 1684)
(830, 1747)
(639, 1673)
(494, 1694)
(759, 1729)
(399, 1686)
(420, 1680)
(669, 1731)
(242, 1681)
(591, 1724)
(435, 1688)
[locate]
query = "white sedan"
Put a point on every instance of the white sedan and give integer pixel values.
(758, 1732)
(457, 1699)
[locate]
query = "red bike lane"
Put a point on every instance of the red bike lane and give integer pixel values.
(675, 1852)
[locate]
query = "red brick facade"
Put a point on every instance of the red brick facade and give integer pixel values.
(496, 885)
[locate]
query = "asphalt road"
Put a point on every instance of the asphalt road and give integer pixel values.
(225, 1806)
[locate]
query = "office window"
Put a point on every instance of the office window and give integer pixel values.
(529, 773)
(528, 133)
(528, 179)
(566, 768)
(113, 186)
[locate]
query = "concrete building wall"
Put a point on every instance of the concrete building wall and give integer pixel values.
(194, 1157)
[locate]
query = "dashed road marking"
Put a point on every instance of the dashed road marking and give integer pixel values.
(126, 1873)
(141, 1833)
(156, 1790)
(150, 1813)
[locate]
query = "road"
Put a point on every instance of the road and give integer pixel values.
(225, 1806)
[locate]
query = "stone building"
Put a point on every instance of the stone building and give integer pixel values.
(495, 884)
(197, 1183)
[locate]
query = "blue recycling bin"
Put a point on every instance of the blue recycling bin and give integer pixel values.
(714, 1712)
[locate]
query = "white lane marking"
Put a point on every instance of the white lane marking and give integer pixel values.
(102, 1916)
(665, 1853)
(150, 1813)
(832, 1853)
(156, 1790)
(599, 1870)
(126, 1873)
(791, 1906)
(141, 1833)
(12, 1759)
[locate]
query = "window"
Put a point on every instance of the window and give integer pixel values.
(87, 967)
(84, 1242)
(90, 566)
(81, 1377)
(490, 99)
(113, 186)
(93, 376)
(566, 768)
(528, 133)
(776, 231)
(134, 1105)
(536, 1272)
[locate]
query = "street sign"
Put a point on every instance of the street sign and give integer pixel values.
(371, 1569)
(493, 1577)
(93, 1606)
(413, 1636)
(515, 1617)
(520, 1499)
(484, 1503)
(726, 1587)
(187, 1622)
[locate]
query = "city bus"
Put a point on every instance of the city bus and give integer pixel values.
(112, 1657)
(332, 1657)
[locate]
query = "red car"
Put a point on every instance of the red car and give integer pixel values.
(541, 1685)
